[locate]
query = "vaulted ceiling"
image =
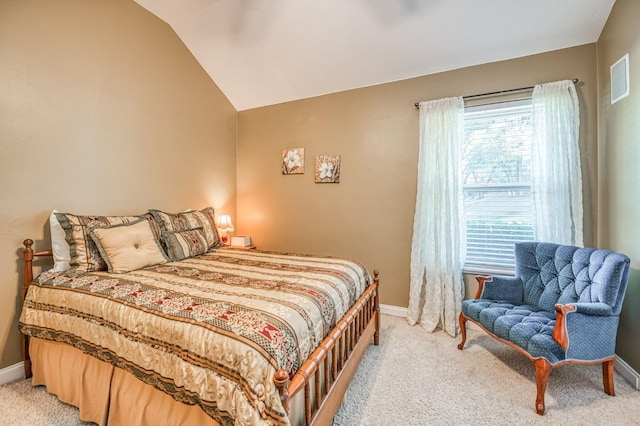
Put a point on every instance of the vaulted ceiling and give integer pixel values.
(264, 52)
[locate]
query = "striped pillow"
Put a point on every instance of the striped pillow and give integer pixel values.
(85, 256)
(184, 244)
(185, 221)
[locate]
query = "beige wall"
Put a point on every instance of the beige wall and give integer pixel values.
(369, 214)
(103, 110)
(618, 160)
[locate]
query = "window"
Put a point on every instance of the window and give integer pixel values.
(496, 167)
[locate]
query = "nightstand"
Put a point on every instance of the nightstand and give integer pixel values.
(239, 247)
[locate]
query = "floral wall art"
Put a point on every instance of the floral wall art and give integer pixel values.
(292, 161)
(327, 169)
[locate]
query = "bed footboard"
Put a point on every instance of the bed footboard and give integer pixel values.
(331, 366)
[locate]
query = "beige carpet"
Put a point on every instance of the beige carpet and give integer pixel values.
(417, 378)
(420, 378)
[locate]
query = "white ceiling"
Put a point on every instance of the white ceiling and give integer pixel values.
(264, 52)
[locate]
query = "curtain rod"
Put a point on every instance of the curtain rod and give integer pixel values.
(575, 81)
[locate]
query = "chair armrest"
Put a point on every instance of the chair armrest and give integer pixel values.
(560, 329)
(586, 331)
(594, 308)
(509, 289)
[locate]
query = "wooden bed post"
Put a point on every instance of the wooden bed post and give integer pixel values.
(28, 277)
(376, 281)
(28, 255)
(281, 379)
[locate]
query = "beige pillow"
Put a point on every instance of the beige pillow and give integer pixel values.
(128, 247)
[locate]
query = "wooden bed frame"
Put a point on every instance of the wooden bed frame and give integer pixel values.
(324, 376)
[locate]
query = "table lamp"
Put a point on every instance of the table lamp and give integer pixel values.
(224, 227)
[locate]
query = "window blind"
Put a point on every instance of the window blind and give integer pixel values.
(496, 168)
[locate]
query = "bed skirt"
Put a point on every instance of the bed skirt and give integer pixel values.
(110, 396)
(105, 394)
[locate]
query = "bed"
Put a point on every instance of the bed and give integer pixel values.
(210, 336)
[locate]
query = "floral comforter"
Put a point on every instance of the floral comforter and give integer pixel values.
(210, 330)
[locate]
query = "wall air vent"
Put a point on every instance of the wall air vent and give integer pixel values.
(620, 79)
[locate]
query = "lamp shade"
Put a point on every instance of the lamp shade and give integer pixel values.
(224, 222)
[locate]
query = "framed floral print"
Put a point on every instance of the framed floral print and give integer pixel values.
(292, 161)
(327, 169)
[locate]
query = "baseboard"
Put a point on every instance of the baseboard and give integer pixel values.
(396, 311)
(12, 373)
(627, 372)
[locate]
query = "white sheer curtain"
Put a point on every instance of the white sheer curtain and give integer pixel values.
(437, 248)
(555, 163)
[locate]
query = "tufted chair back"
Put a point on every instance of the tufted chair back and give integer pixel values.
(553, 273)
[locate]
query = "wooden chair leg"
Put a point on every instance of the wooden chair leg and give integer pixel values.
(463, 330)
(543, 369)
(607, 377)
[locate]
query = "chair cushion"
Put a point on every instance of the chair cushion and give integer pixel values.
(527, 326)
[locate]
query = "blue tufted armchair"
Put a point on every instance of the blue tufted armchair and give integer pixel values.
(562, 306)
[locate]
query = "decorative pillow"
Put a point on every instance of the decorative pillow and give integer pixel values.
(59, 245)
(128, 246)
(184, 244)
(84, 255)
(184, 221)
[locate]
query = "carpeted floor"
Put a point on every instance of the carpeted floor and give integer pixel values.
(417, 378)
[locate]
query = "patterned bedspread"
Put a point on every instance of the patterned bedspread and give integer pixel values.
(210, 330)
